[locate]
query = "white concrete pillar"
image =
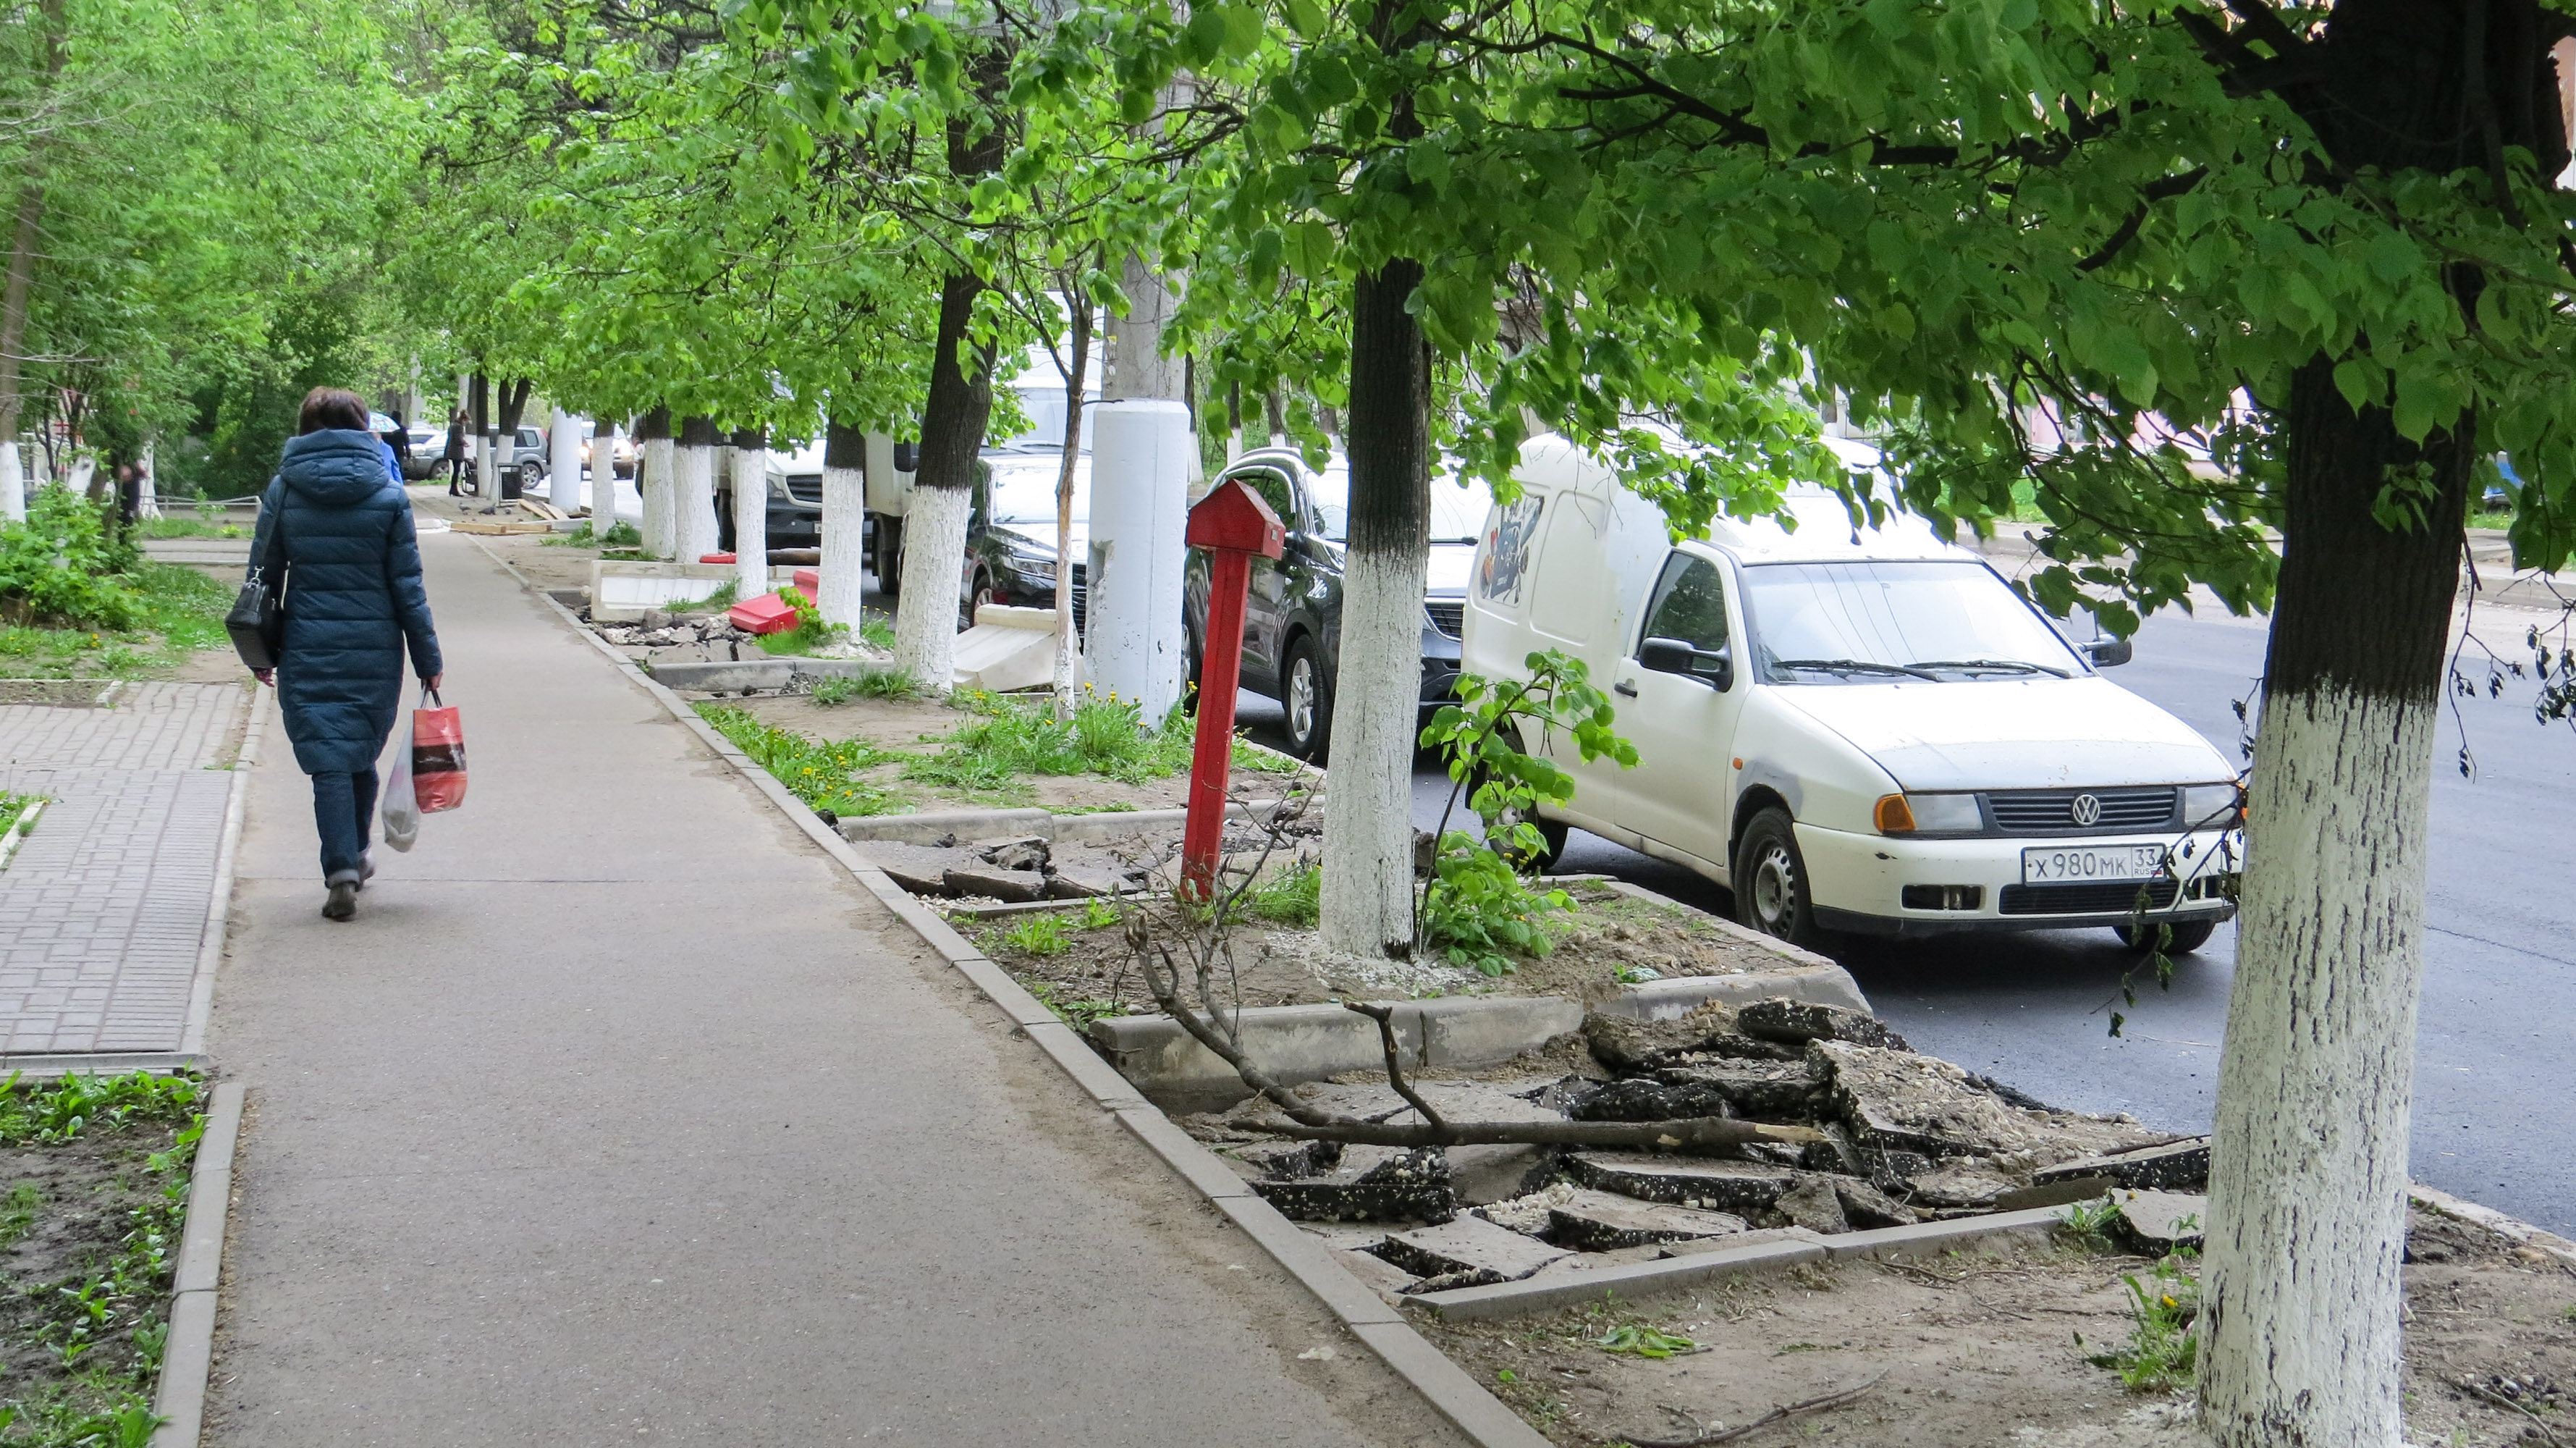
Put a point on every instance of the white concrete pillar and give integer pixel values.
(1140, 470)
(13, 482)
(603, 477)
(563, 463)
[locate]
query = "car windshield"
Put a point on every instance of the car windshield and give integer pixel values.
(1024, 490)
(1862, 623)
(1457, 514)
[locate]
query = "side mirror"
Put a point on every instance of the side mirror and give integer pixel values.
(1713, 667)
(907, 457)
(2106, 652)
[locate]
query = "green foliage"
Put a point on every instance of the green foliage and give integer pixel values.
(64, 567)
(810, 632)
(873, 684)
(876, 631)
(37, 1115)
(720, 600)
(1645, 1342)
(1293, 896)
(18, 1212)
(2091, 1221)
(1011, 738)
(1476, 907)
(1099, 914)
(823, 775)
(2162, 1354)
(12, 805)
(1077, 1012)
(1037, 934)
(621, 534)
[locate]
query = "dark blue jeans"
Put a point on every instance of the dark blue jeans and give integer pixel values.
(344, 805)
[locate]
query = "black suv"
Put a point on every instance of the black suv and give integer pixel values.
(1292, 615)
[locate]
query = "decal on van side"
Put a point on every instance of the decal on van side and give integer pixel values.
(1507, 547)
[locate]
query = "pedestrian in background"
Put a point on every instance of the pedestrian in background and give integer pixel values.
(354, 605)
(455, 454)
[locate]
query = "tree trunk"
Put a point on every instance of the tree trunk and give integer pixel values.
(693, 498)
(2316, 1079)
(25, 239)
(1377, 683)
(845, 519)
(654, 483)
(952, 433)
(487, 446)
(1068, 643)
(751, 512)
(1136, 366)
(2301, 1289)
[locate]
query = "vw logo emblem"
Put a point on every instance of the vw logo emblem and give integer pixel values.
(2087, 810)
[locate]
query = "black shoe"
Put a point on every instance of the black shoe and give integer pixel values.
(343, 902)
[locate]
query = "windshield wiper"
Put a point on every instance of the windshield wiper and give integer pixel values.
(1853, 666)
(2010, 666)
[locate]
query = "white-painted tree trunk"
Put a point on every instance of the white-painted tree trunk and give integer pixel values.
(563, 465)
(694, 501)
(603, 480)
(13, 482)
(751, 520)
(653, 478)
(934, 564)
(2300, 1294)
(1377, 691)
(487, 469)
(148, 503)
(845, 554)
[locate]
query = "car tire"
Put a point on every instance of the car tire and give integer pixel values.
(530, 475)
(980, 593)
(888, 564)
(2185, 936)
(1306, 696)
(1771, 893)
(1192, 661)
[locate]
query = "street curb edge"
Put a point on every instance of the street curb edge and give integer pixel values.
(187, 1356)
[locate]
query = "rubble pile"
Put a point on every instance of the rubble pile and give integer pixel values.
(1013, 871)
(662, 629)
(1906, 1138)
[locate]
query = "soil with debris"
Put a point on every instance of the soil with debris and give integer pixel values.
(1608, 940)
(1980, 1349)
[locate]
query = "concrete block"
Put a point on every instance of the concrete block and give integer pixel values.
(1728, 1186)
(1377, 1274)
(723, 676)
(1932, 1238)
(2157, 1222)
(992, 882)
(948, 827)
(1470, 1031)
(1293, 1043)
(1603, 1221)
(1824, 983)
(921, 869)
(1469, 1245)
(1620, 1284)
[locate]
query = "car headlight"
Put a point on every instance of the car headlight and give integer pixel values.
(1906, 814)
(778, 488)
(2212, 806)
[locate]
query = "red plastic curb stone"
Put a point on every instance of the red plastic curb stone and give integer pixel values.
(767, 614)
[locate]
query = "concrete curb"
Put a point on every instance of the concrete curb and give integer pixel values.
(219, 902)
(1647, 1279)
(55, 1066)
(2549, 1244)
(1475, 1412)
(188, 1356)
(19, 829)
(929, 827)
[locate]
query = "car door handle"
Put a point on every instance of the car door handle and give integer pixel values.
(1625, 686)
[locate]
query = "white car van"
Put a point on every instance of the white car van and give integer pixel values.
(1852, 729)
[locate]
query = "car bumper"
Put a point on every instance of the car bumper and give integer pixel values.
(795, 524)
(1857, 883)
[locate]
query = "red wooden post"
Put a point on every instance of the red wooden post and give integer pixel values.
(1232, 523)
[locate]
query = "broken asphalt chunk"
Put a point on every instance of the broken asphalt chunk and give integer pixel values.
(1725, 1186)
(2175, 1166)
(2157, 1222)
(1753, 1088)
(1597, 1221)
(1372, 1184)
(1468, 1245)
(1795, 1023)
(995, 883)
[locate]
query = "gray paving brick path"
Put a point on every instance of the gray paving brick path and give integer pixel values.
(622, 1115)
(103, 910)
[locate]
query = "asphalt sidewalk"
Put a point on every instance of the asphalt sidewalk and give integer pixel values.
(622, 1115)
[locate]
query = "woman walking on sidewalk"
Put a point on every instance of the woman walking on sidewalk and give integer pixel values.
(354, 601)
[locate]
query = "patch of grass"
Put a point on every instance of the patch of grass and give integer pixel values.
(822, 774)
(1011, 738)
(2090, 1222)
(1099, 914)
(874, 684)
(1077, 1013)
(13, 805)
(720, 600)
(876, 630)
(1037, 934)
(102, 1328)
(1248, 756)
(171, 526)
(621, 534)
(1294, 896)
(2162, 1353)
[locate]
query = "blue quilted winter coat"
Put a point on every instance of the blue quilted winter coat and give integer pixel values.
(353, 598)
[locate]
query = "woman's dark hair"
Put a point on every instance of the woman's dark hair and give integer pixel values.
(332, 407)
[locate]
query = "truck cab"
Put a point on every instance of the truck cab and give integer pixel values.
(1852, 728)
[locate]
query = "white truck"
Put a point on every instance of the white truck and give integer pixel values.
(1852, 729)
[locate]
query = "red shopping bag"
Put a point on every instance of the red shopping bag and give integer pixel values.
(437, 756)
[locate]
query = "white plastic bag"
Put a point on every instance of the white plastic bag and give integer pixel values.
(402, 809)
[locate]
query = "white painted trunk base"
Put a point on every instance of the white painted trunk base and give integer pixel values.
(655, 482)
(2300, 1285)
(845, 554)
(751, 521)
(1377, 692)
(934, 564)
(693, 502)
(13, 483)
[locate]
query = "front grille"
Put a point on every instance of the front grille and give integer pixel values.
(806, 488)
(1450, 617)
(2100, 897)
(2052, 811)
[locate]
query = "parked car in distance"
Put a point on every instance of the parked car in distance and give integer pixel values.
(795, 509)
(1292, 615)
(622, 452)
(1851, 729)
(1010, 538)
(428, 451)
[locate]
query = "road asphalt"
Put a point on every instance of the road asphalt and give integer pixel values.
(2496, 1084)
(621, 1115)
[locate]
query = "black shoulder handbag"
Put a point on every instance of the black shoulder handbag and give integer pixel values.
(258, 618)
